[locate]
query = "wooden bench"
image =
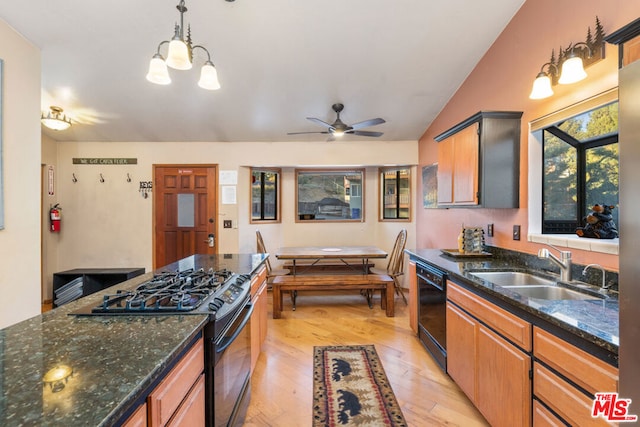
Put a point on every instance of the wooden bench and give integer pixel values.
(333, 282)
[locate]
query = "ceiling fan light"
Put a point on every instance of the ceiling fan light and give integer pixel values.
(337, 133)
(209, 77)
(541, 87)
(178, 56)
(572, 71)
(158, 72)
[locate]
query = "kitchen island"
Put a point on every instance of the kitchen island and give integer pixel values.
(116, 360)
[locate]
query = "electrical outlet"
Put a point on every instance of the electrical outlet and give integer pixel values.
(516, 232)
(226, 223)
(490, 230)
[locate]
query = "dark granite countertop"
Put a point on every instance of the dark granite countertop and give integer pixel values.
(115, 359)
(596, 321)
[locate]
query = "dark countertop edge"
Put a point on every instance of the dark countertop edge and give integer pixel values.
(554, 323)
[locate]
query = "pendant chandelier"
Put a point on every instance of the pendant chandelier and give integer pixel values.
(180, 57)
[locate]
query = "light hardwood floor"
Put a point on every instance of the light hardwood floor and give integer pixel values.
(282, 383)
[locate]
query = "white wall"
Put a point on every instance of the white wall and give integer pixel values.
(110, 224)
(20, 239)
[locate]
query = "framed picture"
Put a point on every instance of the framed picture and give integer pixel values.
(430, 186)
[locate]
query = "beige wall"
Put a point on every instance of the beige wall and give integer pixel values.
(110, 224)
(20, 239)
(502, 81)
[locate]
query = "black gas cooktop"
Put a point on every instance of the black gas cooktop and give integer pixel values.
(190, 291)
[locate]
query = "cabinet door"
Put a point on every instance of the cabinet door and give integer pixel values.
(461, 350)
(465, 170)
(445, 170)
(138, 418)
(503, 382)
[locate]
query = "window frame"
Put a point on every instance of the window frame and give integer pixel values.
(336, 171)
(382, 189)
(278, 203)
(551, 227)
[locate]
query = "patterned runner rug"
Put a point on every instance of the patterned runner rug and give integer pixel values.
(350, 388)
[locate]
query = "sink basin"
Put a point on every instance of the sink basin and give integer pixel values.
(550, 293)
(512, 278)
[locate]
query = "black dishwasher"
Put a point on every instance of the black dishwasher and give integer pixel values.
(432, 303)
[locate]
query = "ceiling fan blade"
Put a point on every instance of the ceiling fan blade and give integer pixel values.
(366, 133)
(302, 133)
(320, 122)
(367, 123)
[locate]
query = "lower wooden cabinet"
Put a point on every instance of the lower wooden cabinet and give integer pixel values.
(493, 373)
(138, 418)
(559, 365)
(259, 317)
(184, 385)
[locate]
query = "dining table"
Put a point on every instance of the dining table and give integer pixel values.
(312, 255)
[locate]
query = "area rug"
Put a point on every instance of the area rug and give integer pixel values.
(350, 388)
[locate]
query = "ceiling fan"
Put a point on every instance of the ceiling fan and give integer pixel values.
(339, 128)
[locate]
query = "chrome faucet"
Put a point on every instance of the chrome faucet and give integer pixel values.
(601, 268)
(564, 261)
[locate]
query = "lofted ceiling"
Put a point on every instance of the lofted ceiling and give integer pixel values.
(278, 61)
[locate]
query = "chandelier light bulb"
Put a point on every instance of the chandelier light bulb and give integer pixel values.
(178, 56)
(158, 72)
(209, 77)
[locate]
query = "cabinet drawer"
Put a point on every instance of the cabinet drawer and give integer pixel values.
(542, 417)
(169, 394)
(257, 280)
(585, 370)
(503, 322)
(567, 401)
(192, 412)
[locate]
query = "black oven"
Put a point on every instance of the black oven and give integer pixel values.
(432, 303)
(228, 364)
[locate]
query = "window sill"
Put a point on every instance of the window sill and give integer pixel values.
(607, 246)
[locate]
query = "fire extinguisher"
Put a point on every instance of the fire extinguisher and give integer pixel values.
(54, 215)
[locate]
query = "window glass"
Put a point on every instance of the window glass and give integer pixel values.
(395, 197)
(580, 168)
(335, 195)
(186, 210)
(265, 185)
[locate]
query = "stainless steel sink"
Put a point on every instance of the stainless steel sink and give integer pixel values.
(550, 292)
(512, 278)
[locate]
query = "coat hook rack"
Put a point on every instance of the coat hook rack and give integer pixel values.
(101, 178)
(128, 177)
(74, 179)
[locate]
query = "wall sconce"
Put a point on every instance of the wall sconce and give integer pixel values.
(57, 377)
(570, 62)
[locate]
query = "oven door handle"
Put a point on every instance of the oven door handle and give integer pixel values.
(432, 283)
(227, 341)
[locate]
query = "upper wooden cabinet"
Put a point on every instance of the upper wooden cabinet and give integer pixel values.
(479, 161)
(628, 40)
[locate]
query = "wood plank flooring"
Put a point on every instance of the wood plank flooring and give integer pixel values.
(282, 383)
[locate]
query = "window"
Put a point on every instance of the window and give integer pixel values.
(580, 168)
(330, 195)
(265, 195)
(395, 194)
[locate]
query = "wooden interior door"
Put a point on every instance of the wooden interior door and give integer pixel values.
(185, 212)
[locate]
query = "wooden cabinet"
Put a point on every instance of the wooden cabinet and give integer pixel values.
(413, 296)
(565, 378)
(179, 398)
(138, 418)
(479, 161)
(492, 371)
(259, 298)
